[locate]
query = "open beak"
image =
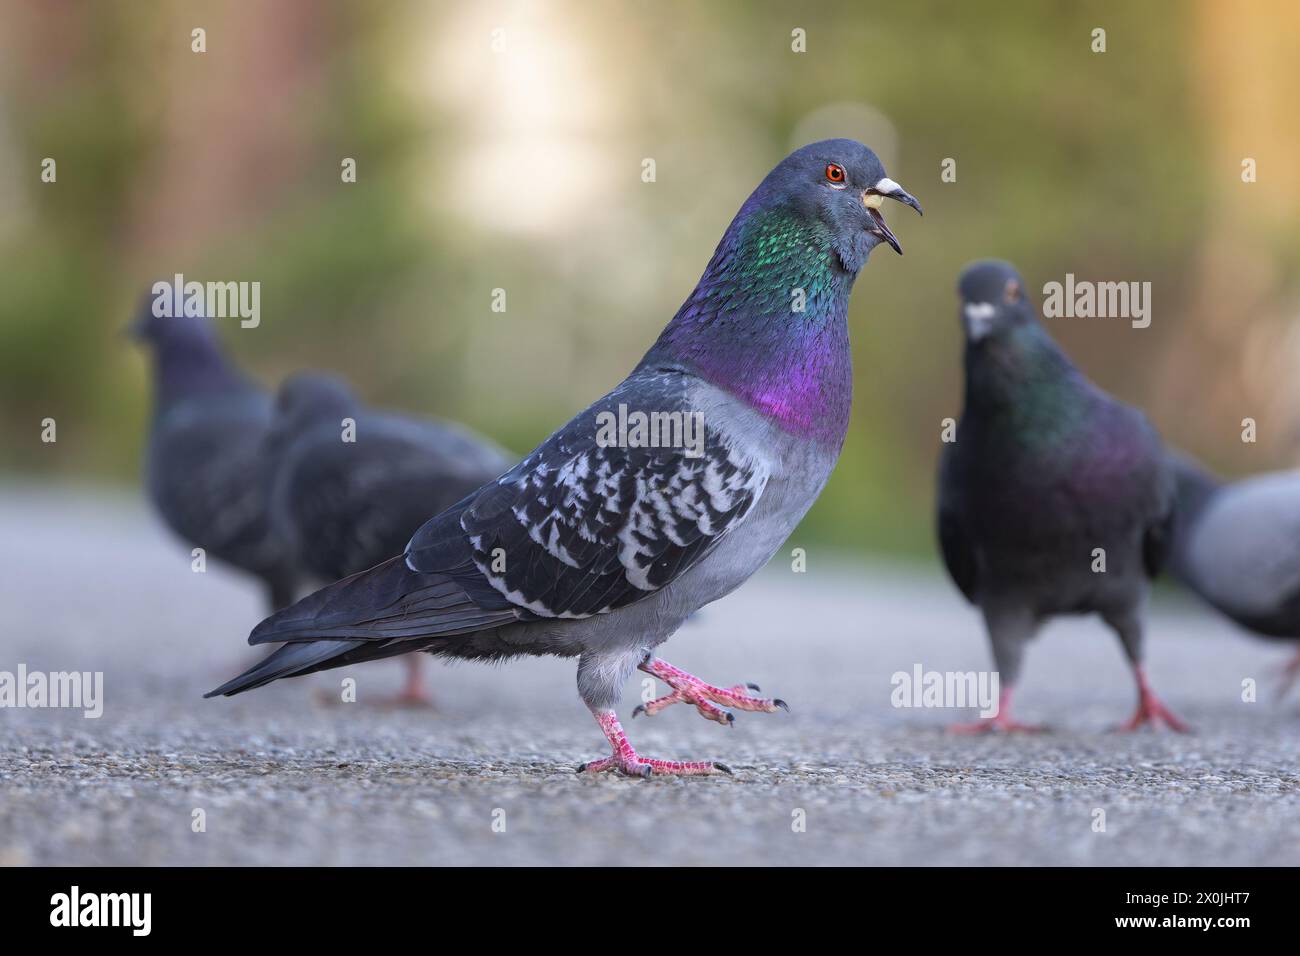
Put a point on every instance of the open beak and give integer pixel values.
(875, 197)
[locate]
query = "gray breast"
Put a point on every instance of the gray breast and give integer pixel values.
(798, 469)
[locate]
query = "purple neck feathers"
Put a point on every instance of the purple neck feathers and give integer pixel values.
(768, 322)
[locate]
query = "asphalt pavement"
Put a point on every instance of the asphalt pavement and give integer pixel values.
(290, 774)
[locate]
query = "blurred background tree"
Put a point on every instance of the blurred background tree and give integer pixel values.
(501, 145)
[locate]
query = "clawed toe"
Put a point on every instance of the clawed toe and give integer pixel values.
(646, 767)
(626, 760)
(1153, 718)
(706, 697)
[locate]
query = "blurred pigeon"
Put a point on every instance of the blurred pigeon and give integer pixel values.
(206, 471)
(603, 540)
(1237, 545)
(349, 496)
(1046, 468)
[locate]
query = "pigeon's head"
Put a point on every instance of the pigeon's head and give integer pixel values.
(161, 324)
(839, 185)
(993, 302)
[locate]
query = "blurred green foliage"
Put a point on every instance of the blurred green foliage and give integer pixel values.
(225, 165)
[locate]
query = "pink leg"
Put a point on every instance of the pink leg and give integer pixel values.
(1149, 709)
(1290, 671)
(688, 688)
(626, 760)
(413, 693)
(1002, 721)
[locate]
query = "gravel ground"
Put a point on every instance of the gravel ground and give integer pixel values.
(284, 776)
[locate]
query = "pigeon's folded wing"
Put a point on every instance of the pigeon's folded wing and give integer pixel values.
(575, 529)
(1156, 539)
(579, 528)
(954, 542)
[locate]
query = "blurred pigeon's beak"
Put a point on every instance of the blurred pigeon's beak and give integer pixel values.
(978, 317)
(875, 197)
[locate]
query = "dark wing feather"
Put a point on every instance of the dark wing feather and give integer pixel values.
(387, 602)
(954, 542)
(1147, 483)
(1155, 544)
(578, 528)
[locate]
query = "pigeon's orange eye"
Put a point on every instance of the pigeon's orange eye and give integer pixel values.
(835, 173)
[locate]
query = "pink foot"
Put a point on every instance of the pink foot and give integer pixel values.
(1001, 721)
(412, 700)
(686, 688)
(708, 711)
(628, 761)
(1150, 710)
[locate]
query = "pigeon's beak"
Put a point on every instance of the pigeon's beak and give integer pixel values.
(978, 319)
(875, 197)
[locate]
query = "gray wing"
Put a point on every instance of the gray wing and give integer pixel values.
(578, 528)
(1244, 552)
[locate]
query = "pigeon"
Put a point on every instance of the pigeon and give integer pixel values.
(206, 470)
(350, 486)
(1054, 498)
(1237, 546)
(611, 533)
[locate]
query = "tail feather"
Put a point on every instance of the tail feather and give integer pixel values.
(291, 660)
(387, 601)
(385, 611)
